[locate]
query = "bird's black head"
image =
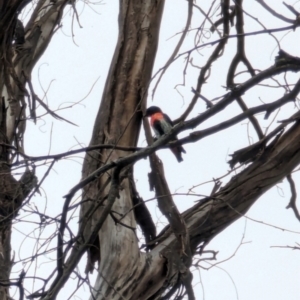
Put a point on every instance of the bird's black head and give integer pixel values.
(152, 110)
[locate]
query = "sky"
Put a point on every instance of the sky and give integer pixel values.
(72, 73)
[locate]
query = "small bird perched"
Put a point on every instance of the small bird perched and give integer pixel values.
(162, 124)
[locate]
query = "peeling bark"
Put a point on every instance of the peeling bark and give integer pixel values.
(118, 122)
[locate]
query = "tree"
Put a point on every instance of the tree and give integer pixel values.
(110, 204)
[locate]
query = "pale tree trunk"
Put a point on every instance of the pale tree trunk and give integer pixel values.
(118, 122)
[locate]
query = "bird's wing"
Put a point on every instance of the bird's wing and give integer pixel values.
(168, 119)
(157, 126)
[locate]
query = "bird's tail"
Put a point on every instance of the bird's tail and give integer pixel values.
(177, 151)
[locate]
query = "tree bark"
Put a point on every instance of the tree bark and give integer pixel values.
(212, 215)
(118, 122)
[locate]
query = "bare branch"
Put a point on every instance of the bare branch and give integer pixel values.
(274, 13)
(292, 9)
(171, 59)
(214, 56)
(81, 246)
(208, 103)
(292, 203)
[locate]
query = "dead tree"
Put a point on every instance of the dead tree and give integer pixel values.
(111, 207)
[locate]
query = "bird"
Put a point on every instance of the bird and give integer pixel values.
(162, 124)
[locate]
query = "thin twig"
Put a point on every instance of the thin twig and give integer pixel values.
(292, 203)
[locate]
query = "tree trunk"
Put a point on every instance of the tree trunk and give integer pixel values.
(118, 122)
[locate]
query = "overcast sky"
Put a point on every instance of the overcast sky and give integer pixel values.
(73, 72)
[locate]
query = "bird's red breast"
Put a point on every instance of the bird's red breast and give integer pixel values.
(156, 117)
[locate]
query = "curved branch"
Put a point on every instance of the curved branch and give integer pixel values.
(179, 44)
(240, 56)
(213, 57)
(292, 203)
